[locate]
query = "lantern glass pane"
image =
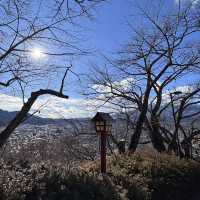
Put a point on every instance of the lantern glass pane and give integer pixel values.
(102, 128)
(108, 128)
(98, 128)
(101, 123)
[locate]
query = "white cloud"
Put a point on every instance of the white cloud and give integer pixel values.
(10, 103)
(54, 107)
(192, 1)
(124, 84)
(51, 107)
(182, 89)
(68, 108)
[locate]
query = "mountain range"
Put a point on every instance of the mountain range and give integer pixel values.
(6, 117)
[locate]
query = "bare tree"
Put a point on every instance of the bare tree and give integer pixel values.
(159, 55)
(48, 24)
(183, 126)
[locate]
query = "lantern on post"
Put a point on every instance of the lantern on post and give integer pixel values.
(103, 126)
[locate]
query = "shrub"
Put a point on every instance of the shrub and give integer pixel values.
(47, 182)
(155, 177)
(134, 177)
(173, 178)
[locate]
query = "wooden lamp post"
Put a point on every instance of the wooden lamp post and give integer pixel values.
(103, 126)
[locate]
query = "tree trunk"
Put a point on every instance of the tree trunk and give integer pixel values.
(19, 118)
(139, 125)
(156, 138)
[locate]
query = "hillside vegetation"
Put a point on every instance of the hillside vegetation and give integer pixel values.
(135, 177)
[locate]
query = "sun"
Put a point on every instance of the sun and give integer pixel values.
(37, 53)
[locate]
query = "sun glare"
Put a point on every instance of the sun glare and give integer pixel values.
(37, 53)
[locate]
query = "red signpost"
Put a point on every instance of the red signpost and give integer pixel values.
(103, 152)
(103, 126)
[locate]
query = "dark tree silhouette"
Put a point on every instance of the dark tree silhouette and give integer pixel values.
(164, 52)
(49, 23)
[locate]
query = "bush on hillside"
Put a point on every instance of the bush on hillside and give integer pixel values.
(45, 181)
(134, 177)
(155, 177)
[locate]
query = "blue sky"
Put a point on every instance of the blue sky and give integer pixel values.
(111, 30)
(103, 35)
